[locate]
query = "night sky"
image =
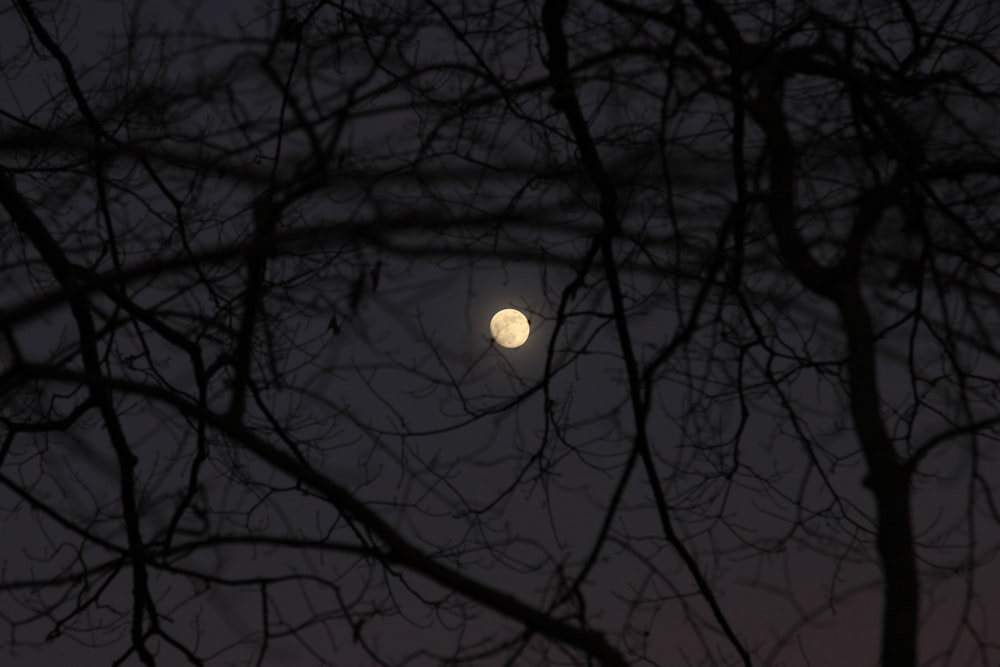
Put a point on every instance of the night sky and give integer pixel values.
(251, 412)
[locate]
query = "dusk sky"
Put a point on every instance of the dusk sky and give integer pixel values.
(252, 413)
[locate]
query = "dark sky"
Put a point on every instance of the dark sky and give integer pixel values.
(452, 186)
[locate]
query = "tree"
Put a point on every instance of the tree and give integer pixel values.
(250, 415)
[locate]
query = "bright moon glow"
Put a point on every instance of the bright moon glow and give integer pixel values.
(510, 328)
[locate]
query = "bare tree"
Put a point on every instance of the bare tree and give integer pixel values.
(251, 413)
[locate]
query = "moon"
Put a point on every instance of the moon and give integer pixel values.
(510, 328)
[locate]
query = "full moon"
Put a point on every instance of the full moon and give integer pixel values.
(510, 328)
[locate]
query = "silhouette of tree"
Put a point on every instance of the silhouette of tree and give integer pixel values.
(251, 413)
